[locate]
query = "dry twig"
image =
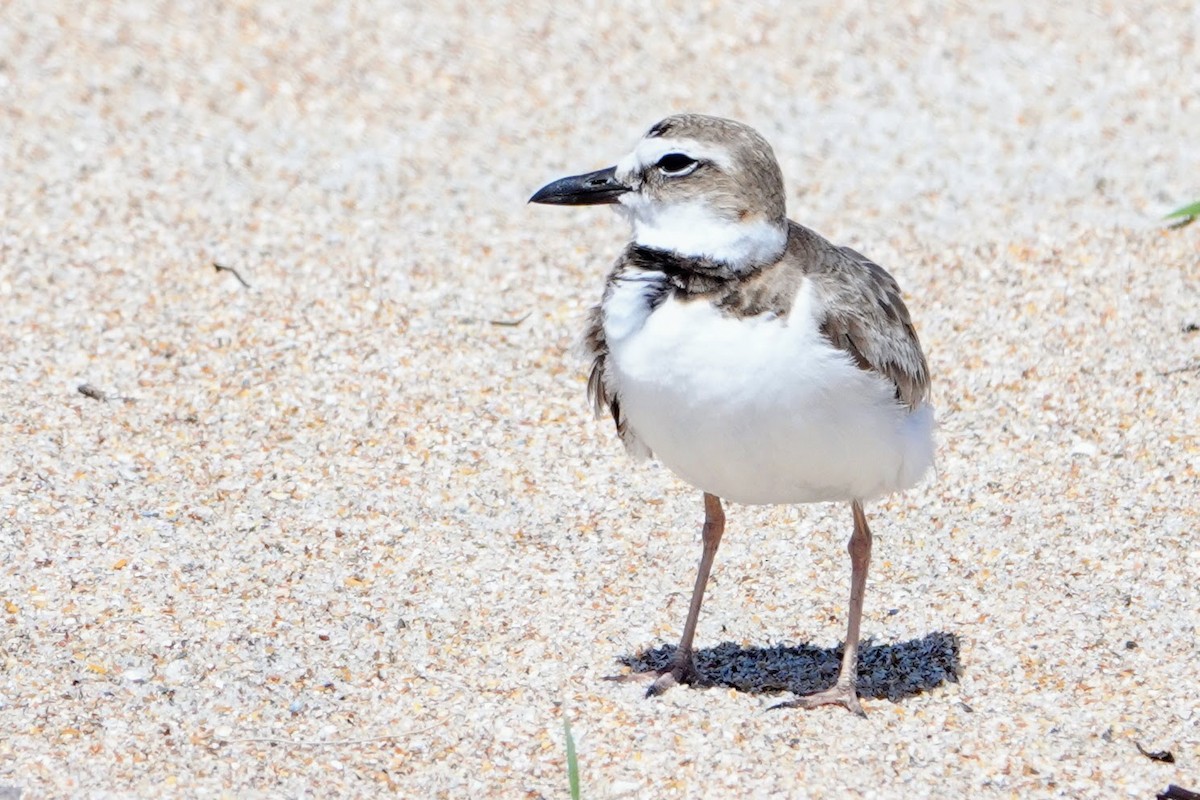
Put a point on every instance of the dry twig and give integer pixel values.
(322, 743)
(511, 323)
(222, 268)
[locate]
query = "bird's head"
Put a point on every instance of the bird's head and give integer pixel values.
(697, 186)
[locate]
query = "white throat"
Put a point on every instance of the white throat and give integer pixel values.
(692, 229)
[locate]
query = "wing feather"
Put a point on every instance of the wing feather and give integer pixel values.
(602, 392)
(867, 317)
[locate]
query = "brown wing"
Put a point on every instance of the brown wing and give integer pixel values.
(601, 392)
(596, 347)
(867, 318)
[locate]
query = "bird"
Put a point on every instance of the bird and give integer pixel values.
(755, 359)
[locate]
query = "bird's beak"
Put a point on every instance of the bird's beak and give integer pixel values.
(591, 189)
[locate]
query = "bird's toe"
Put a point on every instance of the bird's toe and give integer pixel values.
(839, 695)
(681, 669)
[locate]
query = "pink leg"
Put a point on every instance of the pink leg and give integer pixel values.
(682, 668)
(843, 692)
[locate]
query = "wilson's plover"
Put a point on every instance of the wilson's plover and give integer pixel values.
(755, 359)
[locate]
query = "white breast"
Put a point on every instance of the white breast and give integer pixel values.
(760, 409)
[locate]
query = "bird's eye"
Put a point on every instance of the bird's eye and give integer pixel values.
(676, 164)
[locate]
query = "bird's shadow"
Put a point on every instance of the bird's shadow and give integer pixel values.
(885, 671)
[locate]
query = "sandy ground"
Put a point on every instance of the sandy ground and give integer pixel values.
(352, 531)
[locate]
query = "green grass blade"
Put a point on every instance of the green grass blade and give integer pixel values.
(572, 761)
(1187, 211)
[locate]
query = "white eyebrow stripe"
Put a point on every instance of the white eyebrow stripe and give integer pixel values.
(649, 151)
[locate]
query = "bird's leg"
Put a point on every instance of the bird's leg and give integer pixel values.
(844, 692)
(682, 668)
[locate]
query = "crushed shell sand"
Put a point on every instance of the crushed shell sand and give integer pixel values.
(350, 530)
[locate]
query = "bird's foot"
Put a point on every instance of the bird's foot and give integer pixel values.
(680, 669)
(840, 694)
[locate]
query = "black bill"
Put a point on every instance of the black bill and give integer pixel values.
(591, 189)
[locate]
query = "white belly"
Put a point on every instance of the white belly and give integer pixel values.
(759, 410)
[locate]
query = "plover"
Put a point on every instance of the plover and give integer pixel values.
(758, 361)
